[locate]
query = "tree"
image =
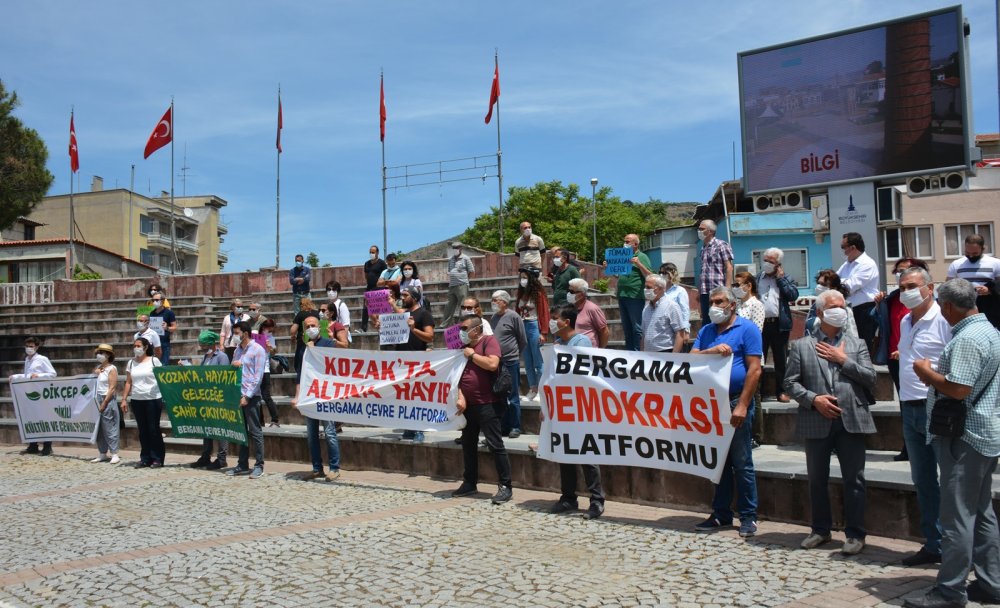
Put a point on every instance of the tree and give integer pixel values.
(312, 260)
(563, 218)
(24, 180)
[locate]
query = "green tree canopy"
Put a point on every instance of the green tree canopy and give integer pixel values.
(24, 180)
(563, 218)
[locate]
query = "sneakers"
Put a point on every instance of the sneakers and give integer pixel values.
(563, 506)
(978, 592)
(515, 433)
(312, 475)
(814, 540)
(216, 465)
(101, 458)
(921, 558)
(237, 470)
(115, 459)
(933, 599)
(532, 395)
(257, 473)
(596, 510)
(156, 464)
(201, 463)
(466, 489)
(333, 475)
(748, 528)
(504, 493)
(852, 546)
(711, 524)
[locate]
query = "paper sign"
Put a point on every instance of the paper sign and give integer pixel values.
(378, 302)
(619, 260)
(451, 337)
(156, 324)
(393, 328)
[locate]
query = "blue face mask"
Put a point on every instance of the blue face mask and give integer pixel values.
(298, 264)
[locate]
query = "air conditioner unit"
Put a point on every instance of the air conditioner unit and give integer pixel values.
(779, 201)
(793, 201)
(820, 212)
(941, 183)
(888, 206)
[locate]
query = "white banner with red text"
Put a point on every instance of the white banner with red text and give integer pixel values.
(656, 410)
(56, 409)
(397, 389)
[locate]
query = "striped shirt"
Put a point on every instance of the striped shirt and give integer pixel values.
(971, 359)
(254, 359)
(978, 273)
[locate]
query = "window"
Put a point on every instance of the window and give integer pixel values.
(795, 263)
(146, 225)
(147, 257)
(954, 238)
(909, 242)
(29, 232)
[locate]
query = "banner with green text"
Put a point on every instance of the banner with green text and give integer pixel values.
(56, 409)
(203, 401)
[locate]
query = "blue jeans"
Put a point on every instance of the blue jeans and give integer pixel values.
(532, 354)
(165, 351)
(738, 470)
(923, 472)
(332, 444)
(512, 418)
(631, 311)
(705, 305)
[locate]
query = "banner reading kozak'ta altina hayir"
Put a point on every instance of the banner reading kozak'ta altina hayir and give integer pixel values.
(656, 410)
(405, 390)
(56, 409)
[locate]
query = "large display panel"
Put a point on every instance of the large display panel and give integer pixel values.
(883, 100)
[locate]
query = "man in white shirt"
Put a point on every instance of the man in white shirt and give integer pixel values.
(923, 334)
(983, 271)
(859, 275)
(145, 331)
(35, 366)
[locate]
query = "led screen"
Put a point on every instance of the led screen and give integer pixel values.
(884, 100)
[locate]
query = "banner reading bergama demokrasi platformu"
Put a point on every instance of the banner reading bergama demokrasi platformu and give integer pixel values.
(405, 390)
(656, 410)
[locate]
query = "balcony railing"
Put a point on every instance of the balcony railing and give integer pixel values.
(163, 240)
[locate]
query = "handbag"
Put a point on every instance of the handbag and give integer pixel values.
(948, 417)
(503, 382)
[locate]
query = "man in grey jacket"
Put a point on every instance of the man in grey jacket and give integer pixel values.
(829, 376)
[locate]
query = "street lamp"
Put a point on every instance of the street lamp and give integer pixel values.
(593, 197)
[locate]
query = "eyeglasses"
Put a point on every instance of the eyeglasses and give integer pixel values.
(157, 301)
(251, 310)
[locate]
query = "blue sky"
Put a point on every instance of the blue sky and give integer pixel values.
(641, 95)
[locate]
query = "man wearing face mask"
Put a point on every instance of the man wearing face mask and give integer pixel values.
(829, 375)
(983, 271)
(508, 329)
(630, 294)
(529, 247)
(256, 317)
(663, 328)
(208, 342)
(590, 319)
(373, 270)
(859, 274)
(729, 334)
(459, 268)
(142, 324)
(227, 339)
(923, 334)
(777, 293)
(967, 371)
(312, 332)
(716, 264)
(169, 326)
(35, 366)
(252, 358)
(421, 335)
(298, 278)
(563, 272)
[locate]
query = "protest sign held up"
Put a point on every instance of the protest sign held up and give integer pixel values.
(393, 328)
(56, 409)
(377, 302)
(203, 401)
(452, 339)
(619, 260)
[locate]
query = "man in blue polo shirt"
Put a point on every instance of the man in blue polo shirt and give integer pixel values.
(730, 334)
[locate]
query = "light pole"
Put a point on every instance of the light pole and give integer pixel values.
(593, 197)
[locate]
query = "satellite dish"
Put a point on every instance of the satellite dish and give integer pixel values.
(188, 212)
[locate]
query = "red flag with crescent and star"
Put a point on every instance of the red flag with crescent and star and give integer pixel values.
(381, 109)
(494, 93)
(163, 133)
(278, 143)
(74, 153)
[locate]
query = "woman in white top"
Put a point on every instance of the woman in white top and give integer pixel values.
(107, 404)
(411, 278)
(143, 395)
(749, 307)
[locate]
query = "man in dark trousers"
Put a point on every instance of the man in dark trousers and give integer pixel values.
(298, 278)
(777, 292)
(373, 270)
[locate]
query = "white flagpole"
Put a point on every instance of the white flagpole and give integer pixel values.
(173, 245)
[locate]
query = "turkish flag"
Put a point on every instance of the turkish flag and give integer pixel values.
(163, 133)
(279, 125)
(74, 153)
(494, 93)
(381, 110)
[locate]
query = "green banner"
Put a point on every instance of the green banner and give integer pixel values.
(203, 401)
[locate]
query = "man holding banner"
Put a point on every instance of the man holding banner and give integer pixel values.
(35, 366)
(729, 334)
(312, 424)
(214, 355)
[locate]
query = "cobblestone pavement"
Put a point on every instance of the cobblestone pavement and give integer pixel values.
(81, 534)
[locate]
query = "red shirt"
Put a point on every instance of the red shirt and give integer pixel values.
(896, 313)
(477, 383)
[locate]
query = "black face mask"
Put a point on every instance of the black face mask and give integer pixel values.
(975, 259)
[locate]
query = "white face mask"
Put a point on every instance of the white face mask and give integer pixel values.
(495, 307)
(571, 297)
(141, 325)
(153, 293)
(742, 292)
(158, 304)
(718, 315)
(837, 317)
(911, 298)
(524, 282)
(238, 310)
(627, 246)
(649, 294)
(374, 256)
(767, 267)
(139, 351)
(30, 350)
(527, 233)
(557, 262)
(407, 273)
(468, 311)
(701, 235)
(820, 289)
(553, 326)
(331, 294)
(898, 276)
(312, 332)
(101, 357)
(464, 336)
(254, 314)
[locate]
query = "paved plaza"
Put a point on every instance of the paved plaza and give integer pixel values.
(82, 534)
